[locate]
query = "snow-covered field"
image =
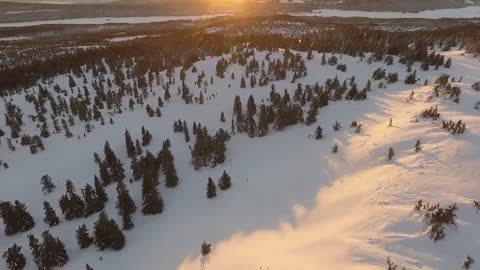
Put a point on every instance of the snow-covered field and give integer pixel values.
(108, 20)
(465, 12)
(293, 203)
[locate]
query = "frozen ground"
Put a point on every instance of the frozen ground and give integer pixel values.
(293, 204)
(108, 20)
(465, 12)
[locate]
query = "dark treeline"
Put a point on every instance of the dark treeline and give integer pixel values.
(184, 47)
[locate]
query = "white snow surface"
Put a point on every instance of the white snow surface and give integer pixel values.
(465, 12)
(108, 20)
(293, 204)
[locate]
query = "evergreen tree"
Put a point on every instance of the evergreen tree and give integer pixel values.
(48, 254)
(391, 153)
(168, 167)
(146, 137)
(335, 149)
(251, 107)
(47, 184)
(185, 131)
(418, 146)
(129, 145)
(211, 189)
(138, 148)
(222, 117)
(152, 201)
(243, 84)
(93, 203)
(318, 133)
(110, 157)
(100, 190)
(125, 205)
(14, 258)
(84, 240)
(224, 182)
(50, 216)
(71, 204)
(206, 248)
(107, 234)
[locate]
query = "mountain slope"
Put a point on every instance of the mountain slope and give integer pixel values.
(293, 204)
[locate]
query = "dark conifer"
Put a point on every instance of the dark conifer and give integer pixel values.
(125, 205)
(50, 216)
(222, 117)
(107, 234)
(224, 182)
(391, 153)
(129, 145)
(146, 137)
(100, 190)
(211, 189)
(152, 201)
(418, 146)
(84, 239)
(47, 184)
(14, 258)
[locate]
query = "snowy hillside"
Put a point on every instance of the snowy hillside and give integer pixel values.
(294, 203)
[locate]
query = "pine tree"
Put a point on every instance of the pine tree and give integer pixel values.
(318, 133)
(243, 84)
(84, 240)
(129, 145)
(335, 149)
(14, 258)
(211, 189)
(391, 153)
(93, 204)
(222, 117)
(110, 157)
(185, 131)
(206, 248)
(418, 146)
(146, 137)
(224, 182)
(50, 216)
(48, 254)
(251, 107)
(168, 167)
(15, 217)
(71, 204)
(138, 148)
(47, 184)
(88, 267)
(107, 234)
(125, 205)
(152, 201)
(100, 190)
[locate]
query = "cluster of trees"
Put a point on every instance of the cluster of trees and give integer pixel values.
(437, 217)
(224, 183)
(209, 151)
(15, 217)
(455, 128)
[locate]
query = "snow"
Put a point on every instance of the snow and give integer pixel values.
(13, 38)
(293, 204)
(120, 39)
(465, 12)
(29, 11)
(108, 20)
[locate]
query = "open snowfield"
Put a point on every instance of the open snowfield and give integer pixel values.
(293, 203)
(111, 20)
(465, 12)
